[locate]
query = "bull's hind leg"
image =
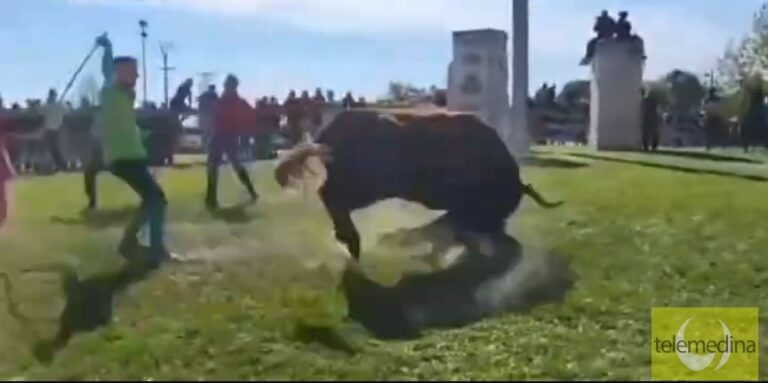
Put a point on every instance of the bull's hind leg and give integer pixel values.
(479, 224)
(345, 229)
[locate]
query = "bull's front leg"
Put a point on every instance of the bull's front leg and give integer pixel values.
(345, 229)
(346, 232)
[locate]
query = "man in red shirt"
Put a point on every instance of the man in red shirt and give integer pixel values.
(233, 116)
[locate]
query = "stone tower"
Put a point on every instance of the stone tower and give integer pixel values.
(478, 77)
(616, 95)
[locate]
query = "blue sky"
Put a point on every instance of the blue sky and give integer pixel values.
(358, 45)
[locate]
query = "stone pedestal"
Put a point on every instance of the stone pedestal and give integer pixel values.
(616, 95)
(478, 78)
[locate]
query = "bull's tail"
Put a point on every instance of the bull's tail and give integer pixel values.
(531, 192)
(293, 165)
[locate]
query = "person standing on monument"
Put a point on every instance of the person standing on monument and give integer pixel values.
(605, 25)
(623, 26)
(125, 155)
(233, 116)
(605, 28)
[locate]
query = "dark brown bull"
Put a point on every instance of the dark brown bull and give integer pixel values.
(453, 163)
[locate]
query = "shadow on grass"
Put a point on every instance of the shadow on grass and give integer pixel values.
(187, 165)
(475, 287)
(704, 156)
(673, 167)
(539, 162)
(329, 337)
(237, 214)
(89, 305)
(98, 219)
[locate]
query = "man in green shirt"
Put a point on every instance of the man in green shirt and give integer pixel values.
(124, 151)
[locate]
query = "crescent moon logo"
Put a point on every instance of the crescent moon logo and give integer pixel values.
(727, 353)
(699, 362)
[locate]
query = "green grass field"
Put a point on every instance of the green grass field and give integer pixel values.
(639, 231)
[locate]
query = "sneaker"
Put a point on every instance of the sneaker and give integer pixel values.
(165, 256)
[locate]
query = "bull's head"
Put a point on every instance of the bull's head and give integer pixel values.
(301, 161)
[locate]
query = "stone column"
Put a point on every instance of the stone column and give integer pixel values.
(616, 98)
(518, 136)
(478, 77)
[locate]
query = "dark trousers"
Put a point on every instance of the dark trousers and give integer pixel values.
(650, 139)
(93, 166)
(136, 174)
(225, 144)
(52, 140)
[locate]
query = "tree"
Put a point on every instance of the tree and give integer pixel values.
(758, 44)
(686, 93)
(748, 56)
(735, 65)
(574, 93)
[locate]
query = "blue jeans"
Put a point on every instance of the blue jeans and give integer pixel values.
(136, 174)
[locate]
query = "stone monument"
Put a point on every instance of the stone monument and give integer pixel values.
(617, 63)
(478, 78)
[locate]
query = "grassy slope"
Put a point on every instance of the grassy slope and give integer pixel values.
(636, 236)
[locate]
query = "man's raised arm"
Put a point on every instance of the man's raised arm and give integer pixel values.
(107, 60)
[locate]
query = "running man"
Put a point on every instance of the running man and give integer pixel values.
(233, 116)
(124, 152)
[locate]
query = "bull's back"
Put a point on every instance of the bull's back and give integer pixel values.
(457, 147)
(365, 156)
(425, 160)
